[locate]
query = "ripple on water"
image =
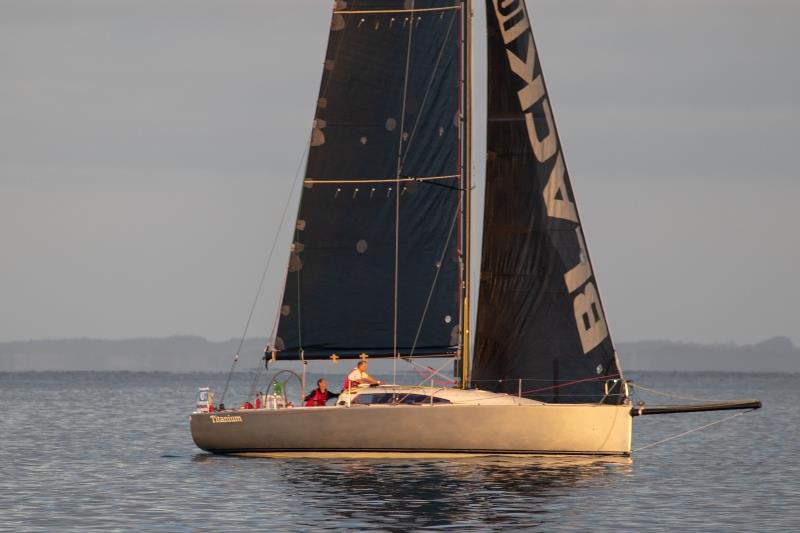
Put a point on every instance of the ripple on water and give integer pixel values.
(108, 451)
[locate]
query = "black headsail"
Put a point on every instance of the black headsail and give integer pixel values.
(539, 318)
(374, 266)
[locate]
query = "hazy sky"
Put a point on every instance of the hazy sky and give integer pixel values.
(147, 148)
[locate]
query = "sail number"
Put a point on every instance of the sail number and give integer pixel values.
(513, 21)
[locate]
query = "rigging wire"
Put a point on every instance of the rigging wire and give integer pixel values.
(402, 155)
(637, 386)
(254, 384)
(432, 372)
(563, 383)
(264, 273)
(397, 197)
(699, 428)
(435, 279)
(274, 332)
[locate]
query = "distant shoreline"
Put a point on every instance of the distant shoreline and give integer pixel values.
(187, 354)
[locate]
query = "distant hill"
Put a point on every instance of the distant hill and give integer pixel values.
(777, 354)
(171, 354)
(195, 354)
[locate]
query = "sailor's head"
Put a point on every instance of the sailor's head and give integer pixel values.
(362, 365)
(322, 384)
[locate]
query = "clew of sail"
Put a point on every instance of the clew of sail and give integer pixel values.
(540, 318)
(374, 266)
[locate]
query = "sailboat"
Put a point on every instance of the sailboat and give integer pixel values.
(379, 266)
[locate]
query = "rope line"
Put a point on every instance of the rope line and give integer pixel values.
(435, 279)
(568, 383)
(228, 381)
(264, 274)
(255, 382)
(636, 386)
(397, 197)
(402, 155)
(699, 428)
(431, 373)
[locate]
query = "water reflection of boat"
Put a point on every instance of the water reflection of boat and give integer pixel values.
(511, 491)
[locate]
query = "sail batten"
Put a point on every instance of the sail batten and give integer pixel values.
(314, 181)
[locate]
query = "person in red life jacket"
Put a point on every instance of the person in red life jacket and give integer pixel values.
(246, 405)
(320, 396)
(358, 376)
(258, 400)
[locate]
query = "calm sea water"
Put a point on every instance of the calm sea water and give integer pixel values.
(112, 452)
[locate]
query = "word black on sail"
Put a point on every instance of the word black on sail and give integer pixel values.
(540, 318)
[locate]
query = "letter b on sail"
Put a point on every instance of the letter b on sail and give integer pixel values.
(589, 317)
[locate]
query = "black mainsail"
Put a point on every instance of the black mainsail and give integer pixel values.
(375, 264)
(540, 319)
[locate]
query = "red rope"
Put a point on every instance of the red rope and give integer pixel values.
(433, 381)
(568, 383)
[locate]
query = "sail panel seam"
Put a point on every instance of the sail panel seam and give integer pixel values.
(412, 10)
(380, 180)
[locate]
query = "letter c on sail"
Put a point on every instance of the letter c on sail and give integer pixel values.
(512, 17)
(545, 148)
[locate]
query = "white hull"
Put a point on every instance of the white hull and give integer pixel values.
(524, 428)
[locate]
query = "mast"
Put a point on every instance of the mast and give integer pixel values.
(466, 16)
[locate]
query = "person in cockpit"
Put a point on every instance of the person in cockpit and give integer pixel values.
(358, 376)
(320, 396)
